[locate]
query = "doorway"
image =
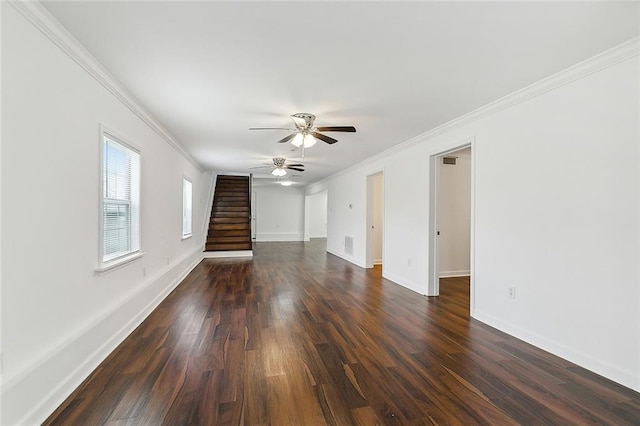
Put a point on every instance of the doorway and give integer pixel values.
(375, 219)
(316, 225)
(451, 218)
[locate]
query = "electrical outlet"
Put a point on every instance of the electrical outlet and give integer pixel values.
(144, 272)
(409, 261)
(512, 292)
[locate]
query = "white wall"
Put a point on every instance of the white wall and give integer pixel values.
(454, 215)
(318, 215)
(556, 172)
(279, 213)
(59, 317)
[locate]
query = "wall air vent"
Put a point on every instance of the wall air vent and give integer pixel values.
(449, 160)
(348, 245)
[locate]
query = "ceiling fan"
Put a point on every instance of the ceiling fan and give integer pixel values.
(280, 166)
(305, 134)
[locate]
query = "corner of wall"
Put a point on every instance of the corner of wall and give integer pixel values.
(613, 372)
(26, 398)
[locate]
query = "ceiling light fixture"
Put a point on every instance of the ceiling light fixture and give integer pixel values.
(286, 183)
(278, 171)
(303, 139)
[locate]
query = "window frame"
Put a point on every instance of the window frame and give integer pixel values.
(185, 179)
(136, 253)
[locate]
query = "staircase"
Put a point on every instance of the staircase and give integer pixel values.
(230, 224)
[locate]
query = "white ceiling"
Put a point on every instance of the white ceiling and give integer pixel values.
(210, 70)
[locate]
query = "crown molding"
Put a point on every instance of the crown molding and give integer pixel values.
(599, 62)
(36, 13)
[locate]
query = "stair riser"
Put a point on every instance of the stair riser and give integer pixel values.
(226, 240)
(228, 226)
(232, 204)
(228, 247)
(231, 209)
(215, 233)
(242, 219)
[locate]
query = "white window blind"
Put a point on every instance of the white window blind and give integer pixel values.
(187, 207)
(120, 200)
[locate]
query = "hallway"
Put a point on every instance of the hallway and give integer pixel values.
(297, 336)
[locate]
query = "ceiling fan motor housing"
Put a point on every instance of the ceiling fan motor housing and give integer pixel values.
(308, 119)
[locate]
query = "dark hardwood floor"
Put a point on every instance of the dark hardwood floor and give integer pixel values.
(300, 337)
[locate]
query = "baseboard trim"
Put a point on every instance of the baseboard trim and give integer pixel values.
(230, 253)
(452, 274)
(347, 258)
(403, 282)
(610, 371)
(21, 402)
(279, 237)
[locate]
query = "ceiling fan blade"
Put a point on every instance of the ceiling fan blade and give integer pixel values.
(271, 128)
(287, 138)
(294, 168)
(337, 129)
(324, 138)
(296, 165)
(260, 167)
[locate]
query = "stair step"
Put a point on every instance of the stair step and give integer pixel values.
(228, 226)
(231, 194)
(235, 188)
(232, 203)
(229, 209)
(215, 233)
(226, 240)
(232, 182)
(230, 246)
(230, 198)
(233, 177)
(240, 219)
(229, 214)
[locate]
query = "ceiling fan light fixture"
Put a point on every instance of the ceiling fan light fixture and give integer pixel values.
(278, 172)
(298, 140)
(308, 141)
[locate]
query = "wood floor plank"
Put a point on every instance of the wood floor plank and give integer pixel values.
(296, 336)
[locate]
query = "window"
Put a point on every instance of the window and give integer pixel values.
(120, 202)
(187, 207)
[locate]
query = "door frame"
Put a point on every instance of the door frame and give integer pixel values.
(369, 260)
(433, 287)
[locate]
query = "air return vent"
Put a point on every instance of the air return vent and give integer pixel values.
(348, 245)
(449, 160)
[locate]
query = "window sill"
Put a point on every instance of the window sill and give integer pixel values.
(118, 263)
(186, 237)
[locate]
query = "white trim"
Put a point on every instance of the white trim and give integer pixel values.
(187, 179)
(347, 258)
(582, 69)
(50, 27)
(626, 378)
(453, 274)
(433, 284)
(409, 285)
(377, 261)
(18, 389)
(118, 262)
(279, 237)
(208, 208)
(230, 253)
(106, 132)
